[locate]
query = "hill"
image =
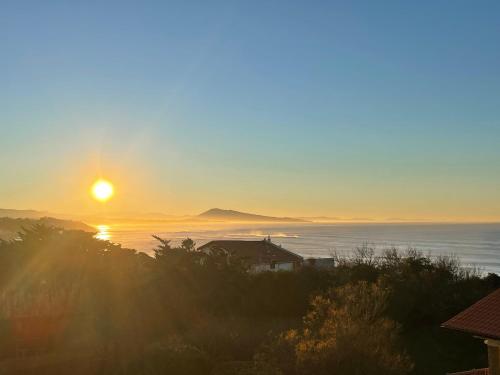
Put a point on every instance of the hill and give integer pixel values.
(10, 226)
(217, 214)
(30, 214)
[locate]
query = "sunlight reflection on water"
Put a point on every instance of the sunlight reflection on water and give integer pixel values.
(103, 233)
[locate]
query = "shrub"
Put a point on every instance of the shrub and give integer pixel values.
(344, 332)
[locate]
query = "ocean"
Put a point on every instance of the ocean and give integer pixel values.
(476, 245)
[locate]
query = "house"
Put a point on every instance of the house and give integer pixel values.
(482, 320)
(260, 255)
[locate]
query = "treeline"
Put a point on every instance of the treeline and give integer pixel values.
(186, 312)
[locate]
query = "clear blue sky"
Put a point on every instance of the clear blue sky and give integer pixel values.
(353, 109)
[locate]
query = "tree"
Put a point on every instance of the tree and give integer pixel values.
(188, 244)
(163, 248)
(345, 332)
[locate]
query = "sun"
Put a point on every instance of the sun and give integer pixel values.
(102, 190)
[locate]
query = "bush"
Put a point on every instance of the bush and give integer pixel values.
(171, 356)
(345, 332)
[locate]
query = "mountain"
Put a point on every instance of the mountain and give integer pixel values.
(217, 214)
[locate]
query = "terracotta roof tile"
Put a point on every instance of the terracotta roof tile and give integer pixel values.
(480, 319)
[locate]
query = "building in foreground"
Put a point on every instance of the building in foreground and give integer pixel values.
(482, 320)
(260, 256)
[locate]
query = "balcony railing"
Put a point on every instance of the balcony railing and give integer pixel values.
(481, 371)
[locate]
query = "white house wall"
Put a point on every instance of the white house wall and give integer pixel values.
(277, 267)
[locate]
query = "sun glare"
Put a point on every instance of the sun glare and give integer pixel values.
(103, 233)
(102, 190)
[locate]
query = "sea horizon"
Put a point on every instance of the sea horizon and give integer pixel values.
(474, 244)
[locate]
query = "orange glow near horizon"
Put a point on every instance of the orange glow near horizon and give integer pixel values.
(102, 190)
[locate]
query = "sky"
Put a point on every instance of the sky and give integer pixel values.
(359, 109)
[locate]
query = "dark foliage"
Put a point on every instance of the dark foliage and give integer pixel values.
(187, 312)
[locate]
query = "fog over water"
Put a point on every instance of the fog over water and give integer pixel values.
(475, 244)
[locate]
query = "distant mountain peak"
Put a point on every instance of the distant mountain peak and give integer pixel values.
(219, 214)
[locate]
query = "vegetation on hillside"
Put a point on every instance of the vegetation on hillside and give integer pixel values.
(186, 312)
(9, 226)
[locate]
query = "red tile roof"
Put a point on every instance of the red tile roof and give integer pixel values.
(481, 319)
(479, 371)
(256, 252)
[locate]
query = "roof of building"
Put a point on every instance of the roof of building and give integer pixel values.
(480, 319)
(256, 252)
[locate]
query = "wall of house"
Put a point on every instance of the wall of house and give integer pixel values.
(493, 356)
(277, 267)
